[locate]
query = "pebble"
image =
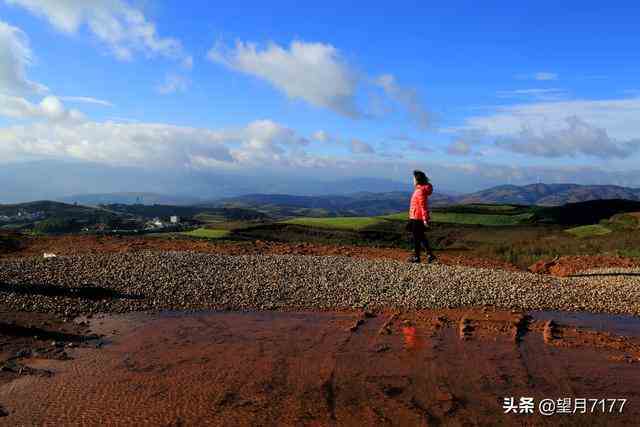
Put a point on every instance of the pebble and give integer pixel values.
(195, 281)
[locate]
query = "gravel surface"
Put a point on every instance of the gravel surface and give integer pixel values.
(188, 280)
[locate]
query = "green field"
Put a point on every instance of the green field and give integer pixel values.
(207, 233)
(341, 223)
(480, 219)
(589, 231)
(400, 216)
(493, 208)
(471, 218)
(359, 223)
(209, 217)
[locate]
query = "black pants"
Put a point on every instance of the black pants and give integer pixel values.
(417, 229)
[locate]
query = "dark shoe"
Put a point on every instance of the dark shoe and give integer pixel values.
(414, 259)
(431, 259)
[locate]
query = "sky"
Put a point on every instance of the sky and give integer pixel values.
(474, 94)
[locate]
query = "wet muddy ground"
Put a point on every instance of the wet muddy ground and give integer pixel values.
(444, 367)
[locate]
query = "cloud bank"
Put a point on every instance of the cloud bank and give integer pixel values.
(154, 145)
(577, 138)
(603, 129)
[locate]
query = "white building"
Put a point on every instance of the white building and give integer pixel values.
(157, 223)
(174, 219)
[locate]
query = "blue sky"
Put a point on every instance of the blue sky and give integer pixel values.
(475, 95)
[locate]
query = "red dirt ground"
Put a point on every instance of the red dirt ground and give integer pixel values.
(80, 244)
(444, 367)
(568, 265)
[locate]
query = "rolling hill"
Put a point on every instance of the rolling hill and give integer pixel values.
(52, 209)
(185, 212)
(549, 194)
(356, 204)
(48, 216)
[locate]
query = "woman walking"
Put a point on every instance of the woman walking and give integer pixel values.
(419, 216)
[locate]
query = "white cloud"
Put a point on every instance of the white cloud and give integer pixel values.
(604, 129)
(317, 74)
(86, 100)
(321, 136)
(407, 97)
(50, 108)
(262, 142)
(413, 144)
(420, 146)
(540, 76)
(262, 147)
(578, 138)
(537, 94)
(354, 146)
(620, 117)
(122, 27)
(173, 83)
(545, 76)
(187, 63)
(459, 148)
(327, 137)
(313, 72)
(360, 147)
(15, 58)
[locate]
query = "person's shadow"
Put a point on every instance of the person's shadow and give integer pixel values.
(90, 292)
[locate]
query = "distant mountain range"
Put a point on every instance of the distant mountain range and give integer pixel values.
(549, 194)
(357, 204)
(94, 184)
(130, 199)
(338, 190)
(373, 203)
(367, 203)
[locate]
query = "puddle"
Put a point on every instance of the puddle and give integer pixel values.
(615, 324)
(308, 368)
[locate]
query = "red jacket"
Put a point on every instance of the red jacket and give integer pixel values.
(419, 208)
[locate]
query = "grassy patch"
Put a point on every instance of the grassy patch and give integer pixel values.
(207, 233)
(209, 217)
(629, 252)
(340, 223)
(493, 208)
(589, 231)
(400, 216)
(627, 221)
(471, 218)
(480, 219)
